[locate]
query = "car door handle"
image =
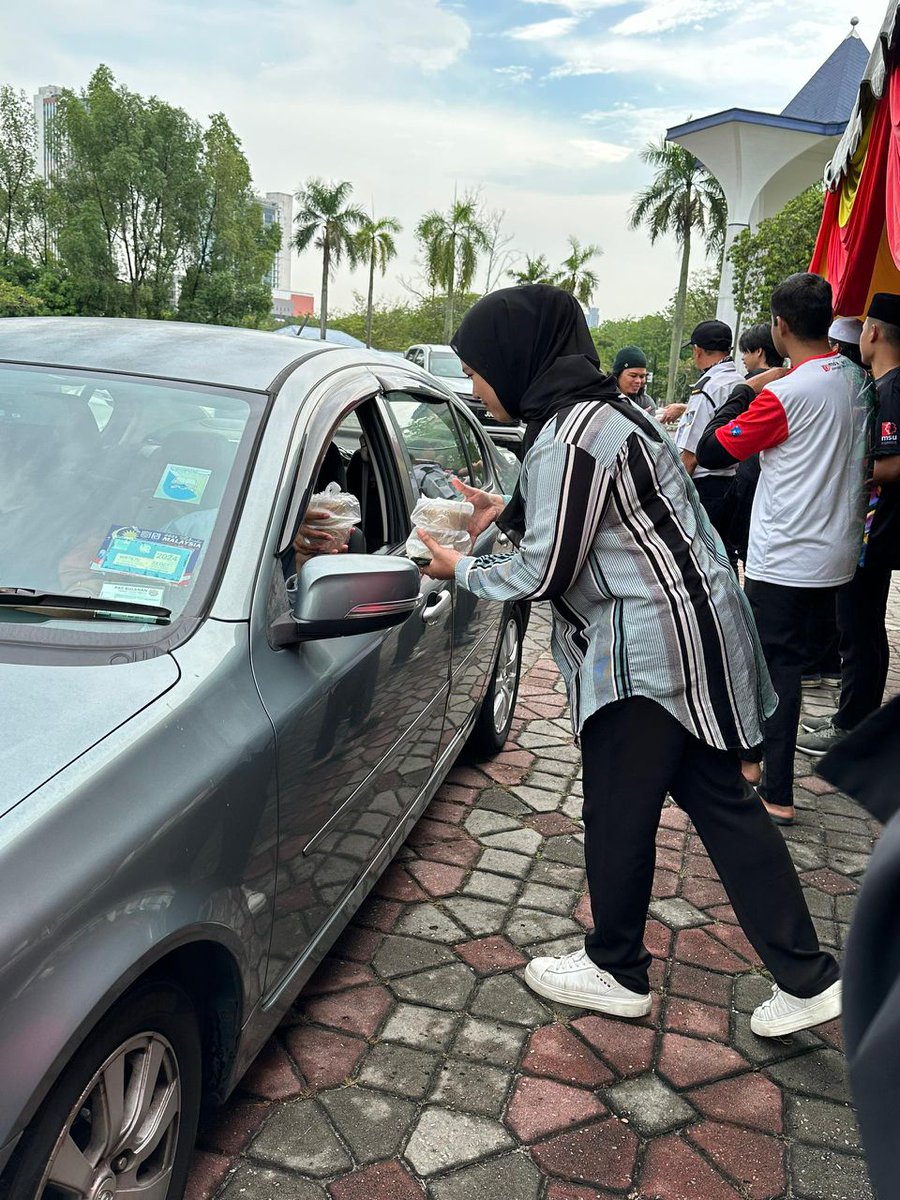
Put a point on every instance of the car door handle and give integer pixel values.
(434, 612)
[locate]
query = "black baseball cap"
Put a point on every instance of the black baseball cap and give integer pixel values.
(711, 335)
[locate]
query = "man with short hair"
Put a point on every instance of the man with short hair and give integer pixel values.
(808, 513)
(711, 348)
(862, 604)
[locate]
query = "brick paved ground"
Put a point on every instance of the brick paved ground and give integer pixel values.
(417, 1063)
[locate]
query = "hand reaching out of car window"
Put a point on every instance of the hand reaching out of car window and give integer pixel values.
(487, 505)
(311, 541)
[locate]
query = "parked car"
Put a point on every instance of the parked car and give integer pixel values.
(443, 362)
(207, 758)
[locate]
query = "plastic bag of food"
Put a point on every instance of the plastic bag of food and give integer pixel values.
(447, 522)
(343, 514)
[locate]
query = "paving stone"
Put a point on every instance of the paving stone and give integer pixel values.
(687, 1061)
(539, 1107)
(678, 913)
(751, 990)
(826, 1124)
(490, 1041)
(548, 899)
(697, 984)
(504, 862)
(399, 1069)
(698, 948)
(650, 1105)
(572, 1191)
(443, 987)
(325, 1058)
(504, 998)
(488, 955)
(299, 1138)
(694, 1017)
(751, 1100)
(384, 1181)
(762, 1051)
(443, 1139)
(252, 1182)
(495, 800)
(537, 799)
(359, 1011)
(822, 1073)
(272, 1075)
(555, 1051)
(438, 879)
(829, 882)
(520, 841)
(372, 1124)
(603, 1153)
(491, 887)
(557, 874)
(753, 1161)
(206, 1175)
(479, 917)
(482, 822)
(415, 1025)
(529, 927)
(565, 850)
(673, 1170)
(403, 955)
(427, 921)
(626, 1045)
(820, 1174)
(473, 1087)
(511, 1176)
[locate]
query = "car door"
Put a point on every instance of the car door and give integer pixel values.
(434, 430)
(358, 720)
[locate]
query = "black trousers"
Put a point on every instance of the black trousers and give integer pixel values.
(788, 620)
(865, 652)
(713, 491)
(634, 753)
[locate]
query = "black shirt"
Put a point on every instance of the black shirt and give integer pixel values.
(883, 549)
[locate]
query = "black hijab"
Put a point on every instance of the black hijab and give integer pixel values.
(534, 348)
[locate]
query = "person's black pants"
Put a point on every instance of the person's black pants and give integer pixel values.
(787, 619)
(713, 490)
(865, 653)
(634, 752)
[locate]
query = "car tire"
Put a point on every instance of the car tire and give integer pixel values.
(147, 1051)
(498, 708)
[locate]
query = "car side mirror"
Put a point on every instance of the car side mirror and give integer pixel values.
(342, 595)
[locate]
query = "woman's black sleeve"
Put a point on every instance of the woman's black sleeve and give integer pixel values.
(711, 454)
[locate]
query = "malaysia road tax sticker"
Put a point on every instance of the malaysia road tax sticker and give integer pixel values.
(149, 553)
(185, 484)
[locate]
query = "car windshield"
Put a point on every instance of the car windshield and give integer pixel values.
(114, 490)
(445, 365)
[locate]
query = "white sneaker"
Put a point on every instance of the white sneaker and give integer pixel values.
(783, 1013)
(573, 979)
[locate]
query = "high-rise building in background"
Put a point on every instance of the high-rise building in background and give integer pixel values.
(48, 140)
(278, 207)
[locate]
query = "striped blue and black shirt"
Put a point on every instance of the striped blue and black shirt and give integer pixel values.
(644, 600)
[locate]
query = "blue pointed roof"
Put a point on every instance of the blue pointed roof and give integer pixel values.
(830, 94)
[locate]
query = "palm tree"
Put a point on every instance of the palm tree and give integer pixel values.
(452, 242)
(574, 275)
(536, 270)
(682, 198)
(328, 221)
(374, 243)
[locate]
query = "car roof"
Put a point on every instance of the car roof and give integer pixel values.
(212, 354)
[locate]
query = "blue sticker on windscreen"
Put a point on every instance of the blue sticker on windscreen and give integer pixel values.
(186, 484)
(149, 553)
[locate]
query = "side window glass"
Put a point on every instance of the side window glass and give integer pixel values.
(474, 451)
(431, 437)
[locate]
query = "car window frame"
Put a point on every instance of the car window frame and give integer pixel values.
(423, 397)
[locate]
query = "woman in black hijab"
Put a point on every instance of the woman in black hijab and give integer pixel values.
(657, 647)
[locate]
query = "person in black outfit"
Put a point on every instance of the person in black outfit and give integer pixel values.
(862, 603)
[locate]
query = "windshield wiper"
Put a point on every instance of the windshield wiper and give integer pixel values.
(89, 607)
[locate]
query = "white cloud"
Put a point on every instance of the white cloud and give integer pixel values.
(544, 31)
(662, 15)
(514, 74)
(636, 125)
(580, 7)
(594, 151)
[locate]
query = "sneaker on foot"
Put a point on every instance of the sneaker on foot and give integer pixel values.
(815, 724)
(832, 681)
(821, 741)
(783, 1013)
(574, 979)
(811, 681)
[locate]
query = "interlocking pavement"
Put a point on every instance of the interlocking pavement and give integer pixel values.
(417, 1064)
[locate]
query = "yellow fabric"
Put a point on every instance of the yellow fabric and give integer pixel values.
(850, 184)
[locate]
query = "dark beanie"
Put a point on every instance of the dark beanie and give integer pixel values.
(629, 356)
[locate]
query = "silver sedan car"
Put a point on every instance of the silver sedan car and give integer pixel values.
(208, 756)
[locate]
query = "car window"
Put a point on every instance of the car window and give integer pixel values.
(474, 451)
(445, 365)
(115, 489)
(431, 436)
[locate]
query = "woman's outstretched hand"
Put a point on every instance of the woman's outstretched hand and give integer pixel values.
(487, 505)
(443, 559)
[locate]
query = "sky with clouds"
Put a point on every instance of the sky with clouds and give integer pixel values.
(540, 105)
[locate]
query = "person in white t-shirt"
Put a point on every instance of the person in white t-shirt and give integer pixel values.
(809, 424)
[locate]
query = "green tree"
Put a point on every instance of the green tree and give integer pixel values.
(327, 220)
(398, 326)
(374, 245)
(131, 196)
(535, 270)
(15, 301)
(682, 199)
(574, 275)
(18, 148)
(232, 251)
(452, 242)
(782, 245)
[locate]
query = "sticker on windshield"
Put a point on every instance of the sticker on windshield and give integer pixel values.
(186, 484)
(133, 593)
(151, 553)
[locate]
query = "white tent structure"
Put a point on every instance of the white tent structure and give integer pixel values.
(762, 160)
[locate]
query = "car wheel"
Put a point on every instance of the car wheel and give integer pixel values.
(122, 1118)
(498, 708)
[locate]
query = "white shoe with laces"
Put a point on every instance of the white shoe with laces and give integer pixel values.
(574, 979)
(783, 1013)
